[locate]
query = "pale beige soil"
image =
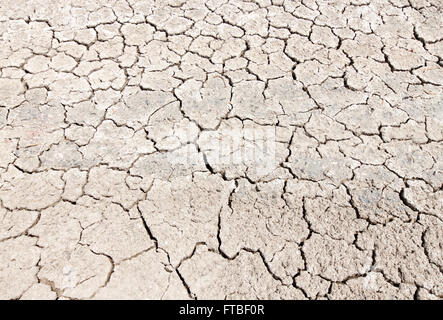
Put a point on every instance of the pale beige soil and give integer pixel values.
(130, 149)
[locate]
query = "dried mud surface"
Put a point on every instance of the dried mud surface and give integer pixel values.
(101, 101)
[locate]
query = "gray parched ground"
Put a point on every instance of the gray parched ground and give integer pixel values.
(221, 149)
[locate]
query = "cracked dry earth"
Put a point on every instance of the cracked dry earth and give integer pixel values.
(102, 101)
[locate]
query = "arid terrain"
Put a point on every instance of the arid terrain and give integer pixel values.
(221, 149)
